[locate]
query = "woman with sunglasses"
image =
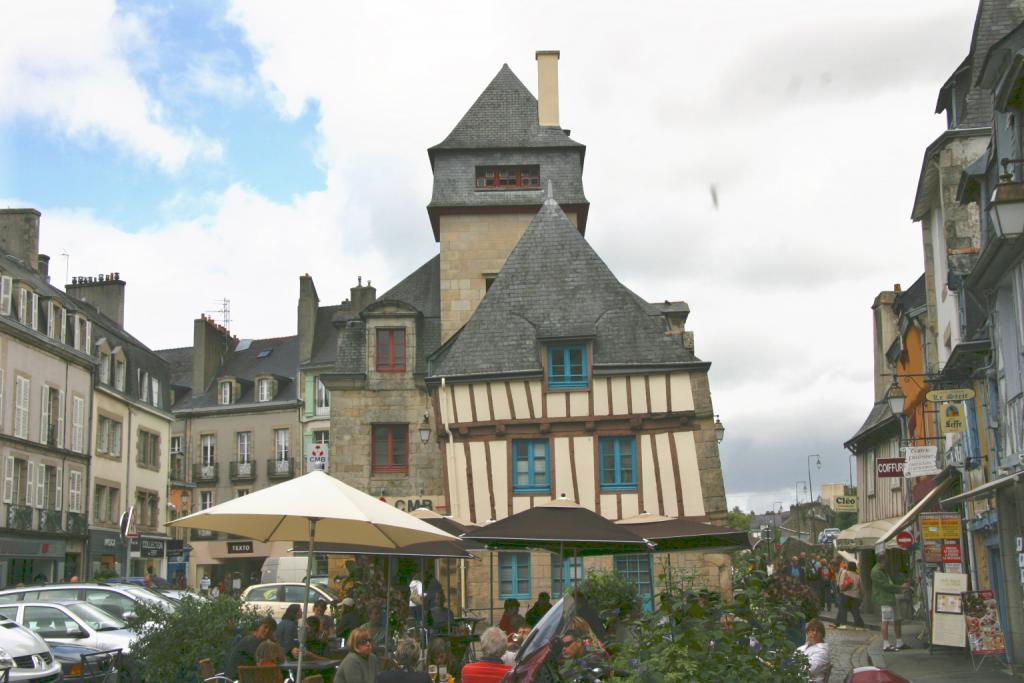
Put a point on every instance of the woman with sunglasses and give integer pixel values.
(360, 664)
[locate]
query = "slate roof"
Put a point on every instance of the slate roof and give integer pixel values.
(912, 297)
(552, 286)
(325, 337)
(504, 116)
(245, 364)
(879, 416)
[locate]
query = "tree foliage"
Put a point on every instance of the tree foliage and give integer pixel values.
(607, 590)
(171, 644)
(739, 520)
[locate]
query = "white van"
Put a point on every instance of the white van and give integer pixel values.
(283, 570)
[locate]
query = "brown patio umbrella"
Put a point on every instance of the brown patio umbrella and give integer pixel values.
(682, 533)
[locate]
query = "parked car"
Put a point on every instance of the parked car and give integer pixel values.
(119, 601)
(74, 622)
(26, 655)
(275, 597)
(828, 535)
(99, 667)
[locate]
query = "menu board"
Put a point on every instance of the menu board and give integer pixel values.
(948, 625)
(941, 542)
(984, 632)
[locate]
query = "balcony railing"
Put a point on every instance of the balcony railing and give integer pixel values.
(78, 524)
(1013, 431)
(280, 468)
(50, 520)
(206, 474)
(243, 471)
(19, 517)
(323, 411)
(179, 472)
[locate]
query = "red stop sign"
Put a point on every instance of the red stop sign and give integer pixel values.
(904, 539)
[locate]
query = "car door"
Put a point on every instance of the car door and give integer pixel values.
(111, 602)
(53, 623)
(267, 598)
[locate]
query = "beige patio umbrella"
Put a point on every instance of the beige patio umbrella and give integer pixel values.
(314, 507)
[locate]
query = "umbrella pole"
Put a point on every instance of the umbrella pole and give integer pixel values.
(423, 602)
(305, 598)
(572, 570)
(448, 591)
(490, 606)
(650, 571)
(387, 609)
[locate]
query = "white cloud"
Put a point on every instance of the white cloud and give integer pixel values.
(69, 64)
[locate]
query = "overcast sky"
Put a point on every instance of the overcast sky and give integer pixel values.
(212, 150)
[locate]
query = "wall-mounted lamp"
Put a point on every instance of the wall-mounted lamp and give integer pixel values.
(719, 430)
(895, 397)
(425, 429)
(1006, 207)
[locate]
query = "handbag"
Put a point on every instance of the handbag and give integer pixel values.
(847, 583)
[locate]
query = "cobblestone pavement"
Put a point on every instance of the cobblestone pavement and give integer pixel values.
(848, 648)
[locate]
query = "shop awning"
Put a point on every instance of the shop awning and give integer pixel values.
(986, 489)
(918, 508)
(865, 535)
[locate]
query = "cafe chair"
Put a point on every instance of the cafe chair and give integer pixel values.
(208, 675)
(259, 674)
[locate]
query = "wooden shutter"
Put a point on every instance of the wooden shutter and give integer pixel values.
(60, 420)
(42, 492)
(44, 414)
(22, 305)
(30, 481)
(78, 409)
(34, 313)
(49, 319)
(88, 337)
(58, 502)
(6, 285)
(75, 499)
(63, 326)
(9, 479)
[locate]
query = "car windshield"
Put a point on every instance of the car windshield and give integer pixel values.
(150, 596)
(95, 618)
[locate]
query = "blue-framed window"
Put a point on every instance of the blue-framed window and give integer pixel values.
(531, 466)
(567, 367)
(637, 570)
(564, 573)
(617, 460)
(514, 575)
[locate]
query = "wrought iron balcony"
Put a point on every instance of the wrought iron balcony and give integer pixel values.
(78, 524)
(51, 520)
(280, 468)
(19, 517)
(243, 471)
(205, 474)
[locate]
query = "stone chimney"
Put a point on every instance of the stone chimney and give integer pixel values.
(44, 266)
(309, 302)
(362, 296)
(885, 330)
(19, 235)
(547, 87)
(105, 292)
(210, 342)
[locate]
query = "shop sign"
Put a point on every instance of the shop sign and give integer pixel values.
(147, 547)
(239, 547)
(904, 539)
(943, 395)
(920, 461)
(109, 542)
(24, 548)
(948, 625)
(889, 467)
(846, 504)
(951, 551)
(956, 455)
(953, 421)
(317, 457)
(409, 504)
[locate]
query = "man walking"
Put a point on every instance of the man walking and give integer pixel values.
(883, 593)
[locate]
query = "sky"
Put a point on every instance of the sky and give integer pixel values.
(215, 150)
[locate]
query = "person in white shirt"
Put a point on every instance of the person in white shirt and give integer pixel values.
(416, 597)
(816, 651)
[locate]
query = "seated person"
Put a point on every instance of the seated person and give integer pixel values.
(539, 609)
(440, 616)
(269, 653)
(515, 641)
(244, 651)
(326, 620)
(489, 668)
(817, 652)
(348, 618)
(407, 658)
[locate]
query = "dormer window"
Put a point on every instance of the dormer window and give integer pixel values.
(264, 389)
(83, 333)
(56, 320)
(225, 393)
(6, 288)
(508, 177)
(28, 308)
(567, 366)
(104, 368)
(120, 370)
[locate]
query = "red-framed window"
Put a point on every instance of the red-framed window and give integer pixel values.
(391, 350)
(508, 177)
(390, 448)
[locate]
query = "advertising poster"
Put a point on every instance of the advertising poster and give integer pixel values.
(948, 624)
(984, 632)
(941, 542)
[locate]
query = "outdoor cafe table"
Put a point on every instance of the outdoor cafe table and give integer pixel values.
(311, 666)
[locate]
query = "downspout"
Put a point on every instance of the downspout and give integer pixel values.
(463, 578)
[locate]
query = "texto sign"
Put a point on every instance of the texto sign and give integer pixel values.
(889, 467)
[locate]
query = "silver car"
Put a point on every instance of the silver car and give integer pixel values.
(119, 601)
(78, 623)
(26, 656)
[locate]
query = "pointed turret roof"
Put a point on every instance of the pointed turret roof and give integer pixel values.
(555, 286)
(504, 116)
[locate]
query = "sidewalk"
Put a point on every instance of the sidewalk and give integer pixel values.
(944, 664)
(848, 649)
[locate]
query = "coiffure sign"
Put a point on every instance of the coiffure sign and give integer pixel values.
(889, 467)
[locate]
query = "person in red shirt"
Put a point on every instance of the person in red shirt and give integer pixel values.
(489, 668)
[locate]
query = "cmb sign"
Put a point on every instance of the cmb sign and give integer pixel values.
(846, 504)
(316, 457)
(889, 467)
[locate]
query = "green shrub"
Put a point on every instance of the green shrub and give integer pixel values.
(170, 645)
(607, 590)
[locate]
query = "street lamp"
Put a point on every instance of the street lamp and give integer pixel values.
(895, 397)
(719, 430)
(810, 485)
(1006, 207)
(425, 429)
